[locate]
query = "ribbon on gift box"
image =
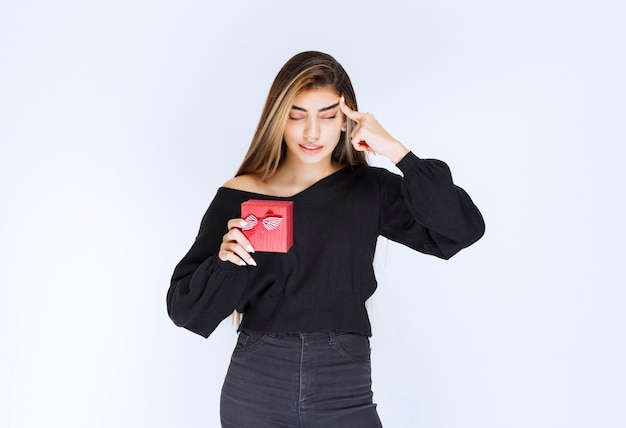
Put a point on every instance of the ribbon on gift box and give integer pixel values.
(270, 222)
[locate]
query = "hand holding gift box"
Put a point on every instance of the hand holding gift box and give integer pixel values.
(269, 224)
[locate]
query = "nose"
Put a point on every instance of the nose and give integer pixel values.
(312, 130)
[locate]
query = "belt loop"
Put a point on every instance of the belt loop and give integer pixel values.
(331, 336)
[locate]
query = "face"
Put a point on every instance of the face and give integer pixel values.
(314, 126)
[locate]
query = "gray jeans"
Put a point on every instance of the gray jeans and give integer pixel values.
(299, 380)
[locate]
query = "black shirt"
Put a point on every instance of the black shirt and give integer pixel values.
(322, 283)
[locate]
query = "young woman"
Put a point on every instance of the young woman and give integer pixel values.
(302, 358)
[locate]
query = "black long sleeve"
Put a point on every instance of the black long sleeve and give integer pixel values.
(440, 217)
(324, 280)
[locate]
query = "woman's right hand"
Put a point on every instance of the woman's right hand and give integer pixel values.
(235, 246)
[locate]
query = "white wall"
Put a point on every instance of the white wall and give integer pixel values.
(119, 119)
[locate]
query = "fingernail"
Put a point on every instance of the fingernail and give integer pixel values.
(243, 223)
(343, 100)
(250, 249)
(242, 263)
(252, 262)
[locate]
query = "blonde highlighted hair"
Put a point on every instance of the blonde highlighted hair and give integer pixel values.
(305, 71)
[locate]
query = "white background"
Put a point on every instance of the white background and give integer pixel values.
(119, 120)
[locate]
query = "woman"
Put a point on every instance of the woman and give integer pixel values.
(302, 356)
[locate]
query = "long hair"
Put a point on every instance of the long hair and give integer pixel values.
(304, 71)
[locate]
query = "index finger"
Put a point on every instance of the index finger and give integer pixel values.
(239, 236)
(236, 223)
(354, 115)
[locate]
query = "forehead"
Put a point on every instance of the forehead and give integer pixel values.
(317, 98)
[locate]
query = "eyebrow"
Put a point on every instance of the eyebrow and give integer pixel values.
(319, 111)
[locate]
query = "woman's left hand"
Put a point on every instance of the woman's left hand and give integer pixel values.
(369, 136)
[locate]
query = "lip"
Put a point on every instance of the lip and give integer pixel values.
(310, 148)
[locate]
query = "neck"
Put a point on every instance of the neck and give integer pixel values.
(292, 177)
(309, 171)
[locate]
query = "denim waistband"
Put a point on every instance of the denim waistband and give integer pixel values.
(301, 335)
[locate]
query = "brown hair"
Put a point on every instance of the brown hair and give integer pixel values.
(304, 71)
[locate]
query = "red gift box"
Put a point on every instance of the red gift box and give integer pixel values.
(270, 224)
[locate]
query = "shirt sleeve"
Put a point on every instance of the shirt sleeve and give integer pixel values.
(204, 290)
(426, 211)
